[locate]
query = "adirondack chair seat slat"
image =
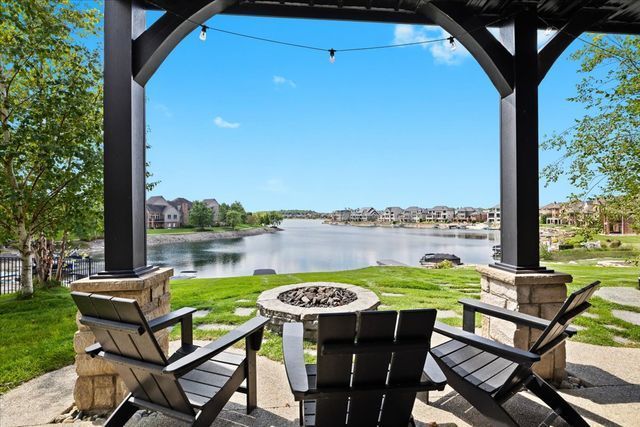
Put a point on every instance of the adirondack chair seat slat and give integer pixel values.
(479, 368)
(487, 373)
(191, 385)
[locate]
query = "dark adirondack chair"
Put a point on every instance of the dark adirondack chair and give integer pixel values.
(193, 384)
(369, 368)
(488, 373)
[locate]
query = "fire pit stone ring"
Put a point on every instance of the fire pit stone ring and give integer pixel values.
(281, 312)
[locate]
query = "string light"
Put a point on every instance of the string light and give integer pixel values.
(548, 31)
(332, 52)
(452, 43)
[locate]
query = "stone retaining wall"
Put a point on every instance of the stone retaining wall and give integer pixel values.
(98, 387)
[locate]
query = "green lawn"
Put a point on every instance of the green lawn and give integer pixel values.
(632, 240)
(186, 230)
(623, 252)
(36, 335)
(596, 331)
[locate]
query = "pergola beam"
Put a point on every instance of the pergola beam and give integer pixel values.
(154, 45)
(581, 20)
(473, 34)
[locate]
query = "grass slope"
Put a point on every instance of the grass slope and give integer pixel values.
(36, 335)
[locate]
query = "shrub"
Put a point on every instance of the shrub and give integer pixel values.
(544, 253)
(444, 265)
(615, 244)
(564, 246)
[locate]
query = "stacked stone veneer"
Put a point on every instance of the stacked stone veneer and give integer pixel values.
(280, 313)
(98, 387)
(539, 295)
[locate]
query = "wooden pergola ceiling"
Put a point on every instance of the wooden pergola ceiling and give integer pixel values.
(624, 17)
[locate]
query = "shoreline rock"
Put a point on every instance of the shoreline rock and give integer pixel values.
(204, 236)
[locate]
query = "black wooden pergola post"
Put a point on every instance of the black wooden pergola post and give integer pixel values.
(124, 144)
(515, 67)
(519, 199)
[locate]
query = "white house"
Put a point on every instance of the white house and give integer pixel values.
(440, 214)
(343, 215)
(413, 214)
(392, 214)
(493, 214)
(365, 214)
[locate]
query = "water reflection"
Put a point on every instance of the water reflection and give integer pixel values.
(308, 245)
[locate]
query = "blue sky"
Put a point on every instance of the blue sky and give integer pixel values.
(282, 128)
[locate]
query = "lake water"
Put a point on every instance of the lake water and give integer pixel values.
(309, 245)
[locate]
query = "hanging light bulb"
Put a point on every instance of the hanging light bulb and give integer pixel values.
(332, 55)
(452, 43)
(203, 33)
(548, 31)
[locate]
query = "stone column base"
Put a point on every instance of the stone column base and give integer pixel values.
(538, 295)
(98, 388)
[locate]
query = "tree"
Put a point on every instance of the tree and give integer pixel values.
(222, 213)
(233, 218)
(50, 120)
(237, 206)
(275, 218)
(200, 216)
(601, 152)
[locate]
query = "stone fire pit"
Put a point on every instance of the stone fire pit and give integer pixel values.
(302, 302)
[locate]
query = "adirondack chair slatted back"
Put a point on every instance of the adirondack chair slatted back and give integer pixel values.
(552, 335)
(407, 366)
(122, 330)
(575, 304)
(373, 368)
(334, 370)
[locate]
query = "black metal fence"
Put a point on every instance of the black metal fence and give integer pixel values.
(74, 268)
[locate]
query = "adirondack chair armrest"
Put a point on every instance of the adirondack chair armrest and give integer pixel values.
(293, 352)
(471, 306)
(248, 330)
(184, 316)
(171, 318)
(514, 354)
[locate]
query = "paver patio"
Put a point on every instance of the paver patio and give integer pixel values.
(612, 397)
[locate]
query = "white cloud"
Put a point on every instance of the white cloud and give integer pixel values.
(164, 110)
(274, 185)
(441, 51)
(279, 81)
(222, 123)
